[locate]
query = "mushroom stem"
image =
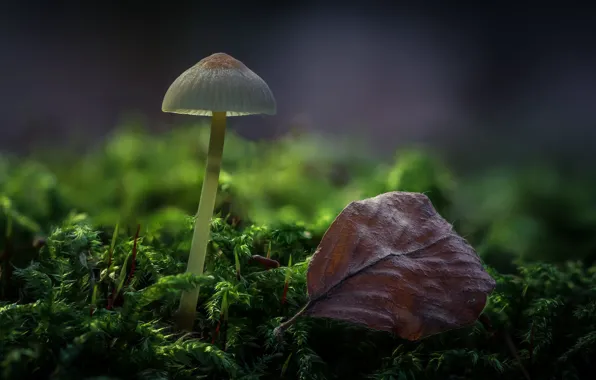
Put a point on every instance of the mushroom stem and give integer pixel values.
(198, 250)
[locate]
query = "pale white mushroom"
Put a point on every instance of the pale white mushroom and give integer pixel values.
(217, 86)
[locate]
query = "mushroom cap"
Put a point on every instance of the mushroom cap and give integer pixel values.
(219, 83)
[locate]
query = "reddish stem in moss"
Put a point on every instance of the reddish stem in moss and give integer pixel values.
(285, 293)
(223, 328)
(216, 330)
(112, 295)
(110, 300)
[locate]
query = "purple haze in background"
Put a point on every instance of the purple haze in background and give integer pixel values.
(400, 79)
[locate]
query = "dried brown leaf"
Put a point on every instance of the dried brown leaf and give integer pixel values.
(392, 263)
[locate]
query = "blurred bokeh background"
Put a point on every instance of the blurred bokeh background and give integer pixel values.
(488, 82)
(489, 109)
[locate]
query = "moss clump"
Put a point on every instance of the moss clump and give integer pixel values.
(73, 308)
(57, 324)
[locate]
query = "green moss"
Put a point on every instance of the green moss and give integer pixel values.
(277, 198)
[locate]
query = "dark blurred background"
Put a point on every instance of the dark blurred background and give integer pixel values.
(484, 83)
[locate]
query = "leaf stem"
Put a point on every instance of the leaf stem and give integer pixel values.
(279, 330)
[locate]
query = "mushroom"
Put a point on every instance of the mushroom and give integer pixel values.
(217, 86)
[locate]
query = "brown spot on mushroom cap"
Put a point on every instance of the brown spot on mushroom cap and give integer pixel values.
(221, 61)
(219, 83)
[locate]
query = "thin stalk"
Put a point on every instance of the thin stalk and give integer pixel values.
(279, 330)
(198, 250)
